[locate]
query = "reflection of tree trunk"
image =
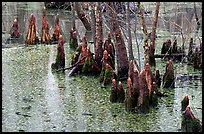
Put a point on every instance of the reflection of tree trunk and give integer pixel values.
(196, 16)
(144, 28)
(153, 35)
(129, 32)
(121, 53)
(82, 16)
(99, 34)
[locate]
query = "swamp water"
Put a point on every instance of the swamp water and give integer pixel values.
(36, 99)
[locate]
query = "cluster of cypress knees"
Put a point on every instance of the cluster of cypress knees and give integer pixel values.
(142, 88)
(31, 37)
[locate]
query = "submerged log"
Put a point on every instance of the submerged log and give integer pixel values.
(78, 58)
(74, 65)
(178, 55)
(83, 60)
(188, 77)
(81, 49)
(14, 40)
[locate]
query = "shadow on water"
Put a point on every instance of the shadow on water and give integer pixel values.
(36, 99)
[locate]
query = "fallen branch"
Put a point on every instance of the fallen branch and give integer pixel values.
(63, 69)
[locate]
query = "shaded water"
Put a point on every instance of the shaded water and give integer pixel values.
(36, 99)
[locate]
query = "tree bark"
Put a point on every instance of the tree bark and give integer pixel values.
(144, 28)
(99, 35)
(130, 52)
(135, 31)
(93, 18)
(154, 24)
(152, 61)
(82, 16)
(121, 53)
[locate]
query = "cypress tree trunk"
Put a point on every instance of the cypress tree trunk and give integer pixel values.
(82, 16)
(144, 28)
(99, 35)
(130, 52)
(93, 18)
(73, 42)
(135, 32)
(121, 53)
(152, 61)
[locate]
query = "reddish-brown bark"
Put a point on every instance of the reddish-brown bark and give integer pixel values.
(31, 37)
(82, 16)
(99, 35)
(56, 29)
(121, 53)
(45, 37)
(14, 30)
(60, 59)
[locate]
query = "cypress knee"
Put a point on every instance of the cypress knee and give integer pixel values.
(168, 78)
(136, 88)
(14, 29)
(31, 37)
(60, 59)
(45, 37)
(121, 92)
(128, 99)
(114, 92)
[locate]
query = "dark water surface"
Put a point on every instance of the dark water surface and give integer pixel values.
(36, 99)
